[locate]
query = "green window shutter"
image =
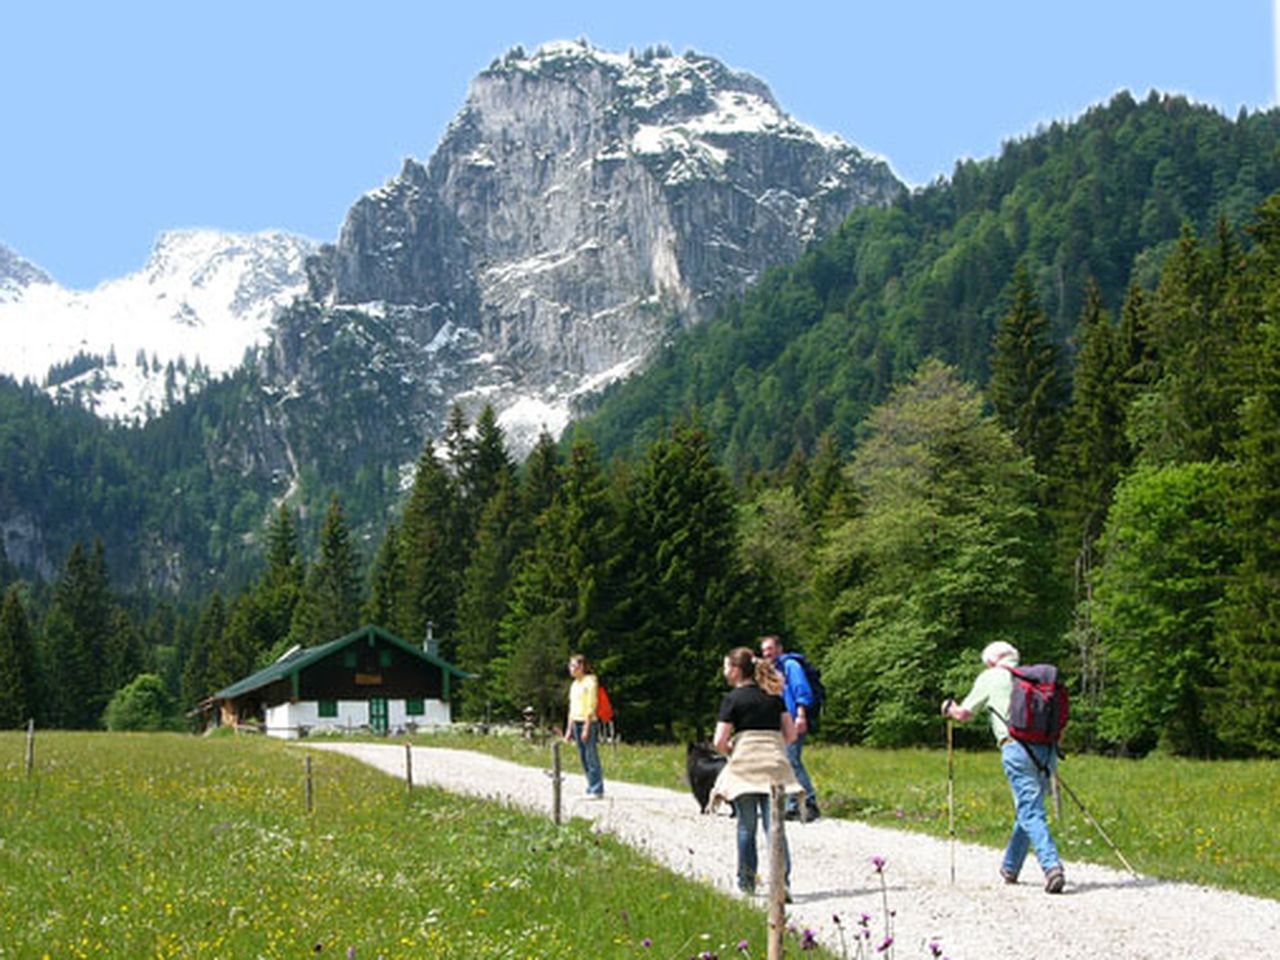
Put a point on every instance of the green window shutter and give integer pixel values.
(384, 658)
(414, 707)
(328, 708)
(349, 659)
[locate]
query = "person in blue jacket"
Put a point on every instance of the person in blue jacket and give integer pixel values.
(798, 696)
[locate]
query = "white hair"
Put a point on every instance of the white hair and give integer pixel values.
(998, 651)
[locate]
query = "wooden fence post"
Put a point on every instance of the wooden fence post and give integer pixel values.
(555, 781)
(777, 871)
(408, 768)
(31, 744)
(309, 794)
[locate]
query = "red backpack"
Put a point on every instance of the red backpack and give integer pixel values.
(1040, 704)
(604, 709)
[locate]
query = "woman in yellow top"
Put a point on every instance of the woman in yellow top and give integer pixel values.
(582, 725)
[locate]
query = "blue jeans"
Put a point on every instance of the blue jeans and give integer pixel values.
(749, 807)
(1030, 824)
(590, 758)
(795, 751)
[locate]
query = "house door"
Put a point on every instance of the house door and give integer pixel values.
(378, 714)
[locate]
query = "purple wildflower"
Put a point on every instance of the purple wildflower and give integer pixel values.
(646, 943)
(935, 948)
(743, 946)
(864, 919)
(885, 945)
(351, 953)
(835, 918)
(809, 940)
(878, 862)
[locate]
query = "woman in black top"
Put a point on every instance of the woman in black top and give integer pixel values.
(753, 727)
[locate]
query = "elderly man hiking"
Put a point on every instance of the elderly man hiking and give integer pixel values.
(1027, 766)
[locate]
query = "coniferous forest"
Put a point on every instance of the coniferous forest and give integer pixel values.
(1037, 401)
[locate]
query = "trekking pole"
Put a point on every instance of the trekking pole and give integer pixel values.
(951, 795)
(1097, 826)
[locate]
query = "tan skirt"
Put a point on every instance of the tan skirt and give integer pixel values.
(758, 761)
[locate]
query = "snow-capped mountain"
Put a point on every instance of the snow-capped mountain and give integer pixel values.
(17, 275)
(581, 207)
(131, 345)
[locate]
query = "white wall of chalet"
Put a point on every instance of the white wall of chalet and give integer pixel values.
(289, 720)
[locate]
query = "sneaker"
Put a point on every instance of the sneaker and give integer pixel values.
(1054, 880)
(792, 814)
(746, 888)
(1008, 875)
(595, 796)
(812, 813)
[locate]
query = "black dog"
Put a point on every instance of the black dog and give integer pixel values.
(702, 765)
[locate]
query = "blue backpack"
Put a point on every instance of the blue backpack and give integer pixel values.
(814, 675)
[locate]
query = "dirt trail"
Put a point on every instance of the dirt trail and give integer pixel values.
(1102, 913)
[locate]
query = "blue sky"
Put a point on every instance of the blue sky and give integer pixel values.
(122, 119)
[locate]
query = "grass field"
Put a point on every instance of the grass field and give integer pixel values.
(1213, 823)
(158, 845)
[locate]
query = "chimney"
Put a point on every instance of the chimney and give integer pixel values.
(429, 645)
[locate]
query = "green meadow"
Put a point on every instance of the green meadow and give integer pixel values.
(1205, 822)
(160, 845)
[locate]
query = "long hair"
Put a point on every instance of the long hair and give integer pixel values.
(757, 668)
(582, 659)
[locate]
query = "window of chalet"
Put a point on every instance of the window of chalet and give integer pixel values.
(349, 659)
(414, 707)
(384, 658)
(328, 708)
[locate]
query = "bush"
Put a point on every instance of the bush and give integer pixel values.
(143, 704)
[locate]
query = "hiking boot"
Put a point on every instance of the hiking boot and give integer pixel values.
(812, 813)
(1054, 880)
(1008, 875)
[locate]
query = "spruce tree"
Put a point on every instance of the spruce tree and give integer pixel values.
(386, 580)
(76, 639)
(428, 552)
(198, 680)
(1026, 386)
(541, 478)
(692, 599)
(17, 663)
(1248, 715)
(330, 603)
(483, 603)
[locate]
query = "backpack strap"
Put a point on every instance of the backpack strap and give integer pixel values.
(1043, 768)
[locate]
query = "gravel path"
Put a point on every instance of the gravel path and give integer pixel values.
(1102, 913)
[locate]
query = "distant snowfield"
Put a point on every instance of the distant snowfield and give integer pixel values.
(203, 296)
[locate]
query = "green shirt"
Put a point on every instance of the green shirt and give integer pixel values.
(994, 688)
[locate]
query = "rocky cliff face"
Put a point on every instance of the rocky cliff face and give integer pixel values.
(580, 207)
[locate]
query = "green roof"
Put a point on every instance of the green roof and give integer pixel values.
(295, 661)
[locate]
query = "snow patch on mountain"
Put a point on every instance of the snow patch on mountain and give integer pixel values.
(202, 300)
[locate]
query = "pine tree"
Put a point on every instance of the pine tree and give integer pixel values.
(428, 552)
(75, 641)
(565, 591)
(17, 663)
(1248, 716)
(386, 581)
(692, 599)
(198, 681)
(483, 603)
(541, 482)
(1026, 386)
(330, 603)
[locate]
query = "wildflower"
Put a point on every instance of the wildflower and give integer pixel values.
(878, 862)
(885, 945)
(743, 946)
(351, 953)
(864, 919)
(646, 943)
(935, 948)
(809, 941)
(835, 918)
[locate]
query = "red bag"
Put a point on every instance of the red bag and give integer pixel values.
(604, 709)
(1040, 705)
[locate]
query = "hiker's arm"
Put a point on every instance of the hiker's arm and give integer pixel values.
(790, 728)
(724, 730)
(953, 711)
